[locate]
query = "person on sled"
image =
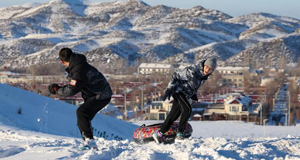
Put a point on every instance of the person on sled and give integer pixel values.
(183, 88)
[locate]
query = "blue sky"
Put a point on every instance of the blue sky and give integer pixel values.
(234, 8)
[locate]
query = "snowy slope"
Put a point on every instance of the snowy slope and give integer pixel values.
(45, 130)
(20, 144)
(42, 114)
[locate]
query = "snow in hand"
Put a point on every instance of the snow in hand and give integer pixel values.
(46, 129)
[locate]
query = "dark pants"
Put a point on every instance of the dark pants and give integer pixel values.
(181, 107)
(86, 112)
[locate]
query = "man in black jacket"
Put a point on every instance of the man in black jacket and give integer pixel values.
(183, 87)
(93, 86)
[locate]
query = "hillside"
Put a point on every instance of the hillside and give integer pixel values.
(43, 114)
(33, 34)
(46, 129)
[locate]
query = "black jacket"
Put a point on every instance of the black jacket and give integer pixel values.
(189, 79)
(86, 79)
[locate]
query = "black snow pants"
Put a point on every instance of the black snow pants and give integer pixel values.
(85, 114)
(181, 107)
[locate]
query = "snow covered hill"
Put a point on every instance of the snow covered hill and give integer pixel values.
(29, 111)
(131, 29)
(46, 129)
(18, 144)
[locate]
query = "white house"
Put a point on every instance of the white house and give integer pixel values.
(234, 108)
(233, 76)
(159, 110)
(234, 105)
(231, 69)
(155, 69)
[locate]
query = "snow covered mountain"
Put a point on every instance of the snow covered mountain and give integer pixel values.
(33, 34)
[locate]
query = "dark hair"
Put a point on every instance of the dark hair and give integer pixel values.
(65, 54)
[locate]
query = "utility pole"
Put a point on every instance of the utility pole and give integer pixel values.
(261, 110)
(142, 100)
(265, 127)
(286, 119)
(289, 118)
(125, 104)
(114, 82)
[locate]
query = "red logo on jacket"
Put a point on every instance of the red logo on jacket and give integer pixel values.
(73, 82)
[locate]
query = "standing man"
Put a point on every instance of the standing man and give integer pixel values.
(183, 88)
(93, 86)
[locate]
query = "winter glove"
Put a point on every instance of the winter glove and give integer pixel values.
(53, 88)
(194, 98)
(168, 93)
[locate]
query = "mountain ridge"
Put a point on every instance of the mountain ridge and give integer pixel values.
(158, 33)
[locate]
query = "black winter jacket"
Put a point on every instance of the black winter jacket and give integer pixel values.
(86, 79)
(189, 79)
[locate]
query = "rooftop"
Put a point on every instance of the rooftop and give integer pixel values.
(155, 65)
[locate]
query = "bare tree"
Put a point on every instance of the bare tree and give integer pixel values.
(46, 69)
(212, 84)
(280, 77)
(271, 87)
(294, 102)
(282, 62)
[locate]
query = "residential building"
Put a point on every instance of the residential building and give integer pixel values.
(198, 109)
(123, 103)
(11, 77)
(232, 70)
(233, 76)
(234, 108)
(215, 111)
(159, 110)
(155, 69)
(273, 71)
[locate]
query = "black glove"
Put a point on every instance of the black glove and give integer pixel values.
(194, 98)
(53, 88)
(168, 93)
